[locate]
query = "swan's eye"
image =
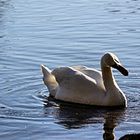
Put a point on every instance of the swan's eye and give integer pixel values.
(116, 60)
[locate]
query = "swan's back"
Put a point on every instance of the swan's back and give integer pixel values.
(93, 73)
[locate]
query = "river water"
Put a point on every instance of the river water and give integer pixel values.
(59, 33)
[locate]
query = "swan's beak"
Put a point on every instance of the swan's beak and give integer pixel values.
(120, 68)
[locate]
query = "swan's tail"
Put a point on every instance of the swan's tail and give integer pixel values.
(49, 80)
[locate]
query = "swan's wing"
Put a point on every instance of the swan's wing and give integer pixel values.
(72, 76)
(93, 73)
(75, 86)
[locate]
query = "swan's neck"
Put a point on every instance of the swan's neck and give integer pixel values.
(114, 95)
(108, 79)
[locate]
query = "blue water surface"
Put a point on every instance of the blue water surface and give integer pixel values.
(59, 33)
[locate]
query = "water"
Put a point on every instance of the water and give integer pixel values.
(58, 33)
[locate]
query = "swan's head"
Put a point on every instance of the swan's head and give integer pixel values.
(111, 60)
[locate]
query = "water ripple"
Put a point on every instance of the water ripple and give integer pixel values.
(59, 33)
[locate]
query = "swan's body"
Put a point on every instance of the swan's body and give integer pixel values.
(79, 84)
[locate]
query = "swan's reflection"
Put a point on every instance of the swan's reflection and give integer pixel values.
(76, 116)
(111, 121)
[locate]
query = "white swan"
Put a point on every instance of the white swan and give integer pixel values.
(80, 84)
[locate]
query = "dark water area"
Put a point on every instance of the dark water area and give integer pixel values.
(60, 33)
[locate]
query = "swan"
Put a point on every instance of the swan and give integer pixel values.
(84, 85)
